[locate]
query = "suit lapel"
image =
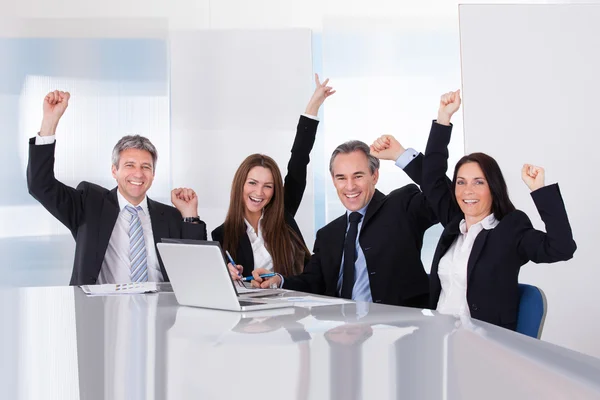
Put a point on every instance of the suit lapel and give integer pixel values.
(246, 249)
(374, 205)
(446, 239)
(160, 227)
(335, 247)
(476, 251)
(108, 219)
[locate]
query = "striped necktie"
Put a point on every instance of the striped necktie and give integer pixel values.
(137, 247)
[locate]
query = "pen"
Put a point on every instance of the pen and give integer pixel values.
(232, 262)
(251, 278)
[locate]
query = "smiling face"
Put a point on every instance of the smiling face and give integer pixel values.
(134, 175)
(354, 183)
(473, 192)
(258, 189)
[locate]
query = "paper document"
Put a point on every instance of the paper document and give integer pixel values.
(313, 301)
(255, 292)
(122, 288)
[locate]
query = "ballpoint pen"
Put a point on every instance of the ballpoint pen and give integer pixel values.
(233, 263)
(251, 278)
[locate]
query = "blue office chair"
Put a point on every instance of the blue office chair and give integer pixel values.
(532, 310)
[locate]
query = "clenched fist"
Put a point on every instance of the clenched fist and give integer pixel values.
(186, 201)
(449, 104)
(533, 176)
(386, 147)
(55, 104)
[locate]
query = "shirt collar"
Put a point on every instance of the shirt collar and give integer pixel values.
(489, 222)
(248, 225)
(123, 202)
(362, 211)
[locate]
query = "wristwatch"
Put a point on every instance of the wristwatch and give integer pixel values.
(191, 219)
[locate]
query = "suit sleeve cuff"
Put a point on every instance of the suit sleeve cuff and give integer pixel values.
(40, 140)
(406, 157)
(311, 117)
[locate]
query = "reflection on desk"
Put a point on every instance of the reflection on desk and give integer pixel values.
(57, 343)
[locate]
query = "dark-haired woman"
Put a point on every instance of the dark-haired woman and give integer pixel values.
(259, 229)
(486, 240)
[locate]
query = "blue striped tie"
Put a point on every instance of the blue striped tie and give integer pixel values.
(137, 247)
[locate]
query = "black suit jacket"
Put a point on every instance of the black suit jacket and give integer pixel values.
(391, 238)
(90, 212)
(294, 185)
(497, 254)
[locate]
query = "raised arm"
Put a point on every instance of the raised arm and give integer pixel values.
(436, 185)
(295, 180)
(185, 201)
(63, 202)
(556, 244)
(387, 147)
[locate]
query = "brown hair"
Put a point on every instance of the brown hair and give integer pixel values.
(287, 249)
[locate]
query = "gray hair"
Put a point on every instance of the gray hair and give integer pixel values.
(134, 142)
(352, 146)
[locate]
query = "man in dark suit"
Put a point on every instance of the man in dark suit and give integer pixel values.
(373, 251)
(116, 230)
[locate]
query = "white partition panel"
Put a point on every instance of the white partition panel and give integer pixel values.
(234, 93)
(530, 95)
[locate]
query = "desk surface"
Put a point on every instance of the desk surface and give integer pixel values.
(57, 343)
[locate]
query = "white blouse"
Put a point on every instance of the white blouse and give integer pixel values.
(452, 269)
(262, 258)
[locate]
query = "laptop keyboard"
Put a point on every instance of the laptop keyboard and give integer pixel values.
(250, 303)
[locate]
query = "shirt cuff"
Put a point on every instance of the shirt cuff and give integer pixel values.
(282, 279)
(311, 116)
(44, 139)
(406, 157)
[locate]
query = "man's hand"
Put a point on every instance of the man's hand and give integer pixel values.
(259, 282)
(449, 104)
(186, 201)
(386, 147)
(55, 104)
(533, 176)
(322, 91)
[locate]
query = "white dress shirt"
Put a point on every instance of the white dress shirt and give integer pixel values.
(262, 257)
(452, 269)
(116, 264)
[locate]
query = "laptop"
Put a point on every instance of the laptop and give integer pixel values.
(200, 278)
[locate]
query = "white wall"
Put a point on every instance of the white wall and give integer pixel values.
(235, 93)
(531, 96)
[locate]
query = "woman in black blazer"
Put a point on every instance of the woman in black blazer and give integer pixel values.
(485, 240)
(259, 230)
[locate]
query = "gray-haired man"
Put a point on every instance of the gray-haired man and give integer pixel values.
(115, 230)
(373, 252)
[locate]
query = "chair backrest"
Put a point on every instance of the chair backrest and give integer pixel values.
(532, 310)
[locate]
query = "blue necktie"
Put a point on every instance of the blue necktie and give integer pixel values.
(350, 255)
(137, 247)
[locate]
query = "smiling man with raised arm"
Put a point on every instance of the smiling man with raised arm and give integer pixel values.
(116, 230)
(373, 251)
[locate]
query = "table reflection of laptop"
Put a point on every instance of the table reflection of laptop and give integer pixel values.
(199, 277)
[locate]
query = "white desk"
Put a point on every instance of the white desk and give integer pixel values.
(57, 343)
